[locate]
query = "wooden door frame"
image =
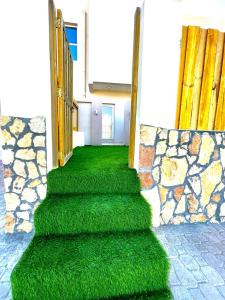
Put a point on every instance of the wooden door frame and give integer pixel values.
(134, 90)
(53, 79)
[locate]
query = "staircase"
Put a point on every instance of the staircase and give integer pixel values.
(92, 235)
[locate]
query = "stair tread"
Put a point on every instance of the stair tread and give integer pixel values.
(74, 214)
(95, 169)
(91, 266)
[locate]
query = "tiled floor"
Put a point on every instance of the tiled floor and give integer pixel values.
(197, 255)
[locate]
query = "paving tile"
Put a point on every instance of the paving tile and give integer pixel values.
(6, 275)
(198, 275)
(191, 249)
(212, 260)
(173, 279)
(212, 275)
(222, 290)
(173, 239)
(196, 294)
(200, 260)
(180, 249)
(189, 262)
(4, 290)
(210, 292)
(171, 251)
(185, 276)
(181, 293)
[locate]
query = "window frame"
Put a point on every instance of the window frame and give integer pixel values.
(72, 25)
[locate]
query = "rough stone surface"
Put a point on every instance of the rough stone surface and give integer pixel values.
(39, 141)
(146, 156)
(146, 180)
(209, 179)
(37, 125)
(148, 135)
(29, 195)
(24, 159)
(12, 201)
(188, 169)
(26, 154)
(19, 168)
(25, 141)
(206, 149)
(173, 171)
(17, 127)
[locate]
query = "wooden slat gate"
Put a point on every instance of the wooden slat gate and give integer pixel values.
(62, 88)
(65, 92)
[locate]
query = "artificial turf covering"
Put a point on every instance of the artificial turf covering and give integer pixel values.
(93, 243)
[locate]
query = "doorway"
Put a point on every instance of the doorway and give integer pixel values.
(84, 121)
(108, 120)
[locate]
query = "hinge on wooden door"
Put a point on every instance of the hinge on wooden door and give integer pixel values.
(59, 92)
(58, 23)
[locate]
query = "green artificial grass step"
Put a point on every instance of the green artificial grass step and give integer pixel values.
(91, 267)
(86, 213)
(95, 169)
(158, 295)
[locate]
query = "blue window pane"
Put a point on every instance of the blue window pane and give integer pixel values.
(71, 34)
(73, 50)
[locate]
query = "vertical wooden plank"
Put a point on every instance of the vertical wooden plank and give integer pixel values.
(220, 111)
(216, 80)
(189, 75)
(61, 87)
(198, 78)
(53, 76)
(181, 73)
(208, 79)
(136, 48)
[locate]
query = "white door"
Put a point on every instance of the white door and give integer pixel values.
(84, 121)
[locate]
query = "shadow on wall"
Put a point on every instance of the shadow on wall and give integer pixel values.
(183, 174)
(24, 158)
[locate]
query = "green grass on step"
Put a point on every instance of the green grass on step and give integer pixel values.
(74, 214)
(91, 267)
(158, 295)
(95, 169)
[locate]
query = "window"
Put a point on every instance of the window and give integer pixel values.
(107, 121)
(71, 33)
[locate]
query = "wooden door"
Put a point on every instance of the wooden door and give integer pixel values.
(53, 74)
(61, 64)
(136, 48)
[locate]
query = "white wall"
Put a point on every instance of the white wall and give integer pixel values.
(24, 62)
(111, 25)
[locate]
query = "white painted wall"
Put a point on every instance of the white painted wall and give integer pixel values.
(111, 25)
(24, 62)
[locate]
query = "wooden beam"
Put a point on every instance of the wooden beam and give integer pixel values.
(198, 73)
(216, 81)
(136, 48)
(189, 75)
(181, 73)
(220, 111)
(207, 81)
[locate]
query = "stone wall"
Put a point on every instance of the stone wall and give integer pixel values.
(183, 171)
(24, 159)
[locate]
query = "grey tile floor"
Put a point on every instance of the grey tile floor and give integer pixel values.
(197, 256)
